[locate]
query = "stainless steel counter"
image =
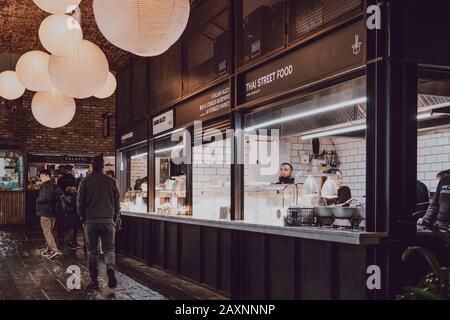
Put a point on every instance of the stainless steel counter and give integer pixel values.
(313, 233)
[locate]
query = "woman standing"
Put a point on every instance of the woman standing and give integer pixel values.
(344, 193)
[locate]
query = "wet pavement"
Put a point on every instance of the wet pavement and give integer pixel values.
(25, 274)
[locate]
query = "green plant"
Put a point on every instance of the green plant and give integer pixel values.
(434, 285)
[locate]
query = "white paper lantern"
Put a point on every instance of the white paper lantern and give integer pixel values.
(145, 28)
(60, 34)
(57, 6)
(10, 86)
(53, 109)
(32, 71)
(82, 74)
(108, 88)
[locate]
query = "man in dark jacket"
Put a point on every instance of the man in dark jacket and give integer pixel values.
(64, 182)
(46, 210)
(98, 206)
(438, 213)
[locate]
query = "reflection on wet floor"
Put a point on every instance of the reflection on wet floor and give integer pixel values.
(25, 274)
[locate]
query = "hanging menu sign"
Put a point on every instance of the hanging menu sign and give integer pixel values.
(163, 122)
(336, 52)
(206, 105)
(38, 158)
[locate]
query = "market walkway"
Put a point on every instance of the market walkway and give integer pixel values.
(25, 274)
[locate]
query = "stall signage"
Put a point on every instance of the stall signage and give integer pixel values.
(127, 136)
(343, 49)
(37, 158)
(9, 144)
(163, 122)
(209, 104)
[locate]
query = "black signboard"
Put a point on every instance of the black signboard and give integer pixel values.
(343, 49)
(9, 144)
(40, 158)
(204, 106)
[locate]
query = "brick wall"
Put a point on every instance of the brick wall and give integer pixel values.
(84, 135)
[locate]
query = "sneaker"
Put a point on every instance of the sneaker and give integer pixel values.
(112, 281)
(47, 253)
(54, 254)
(73, 246)
(44, 251)
(93, 285)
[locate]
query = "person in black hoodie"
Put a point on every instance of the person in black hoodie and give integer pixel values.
(65, 181)
(98, 206)
(438, 213)
(46, 205)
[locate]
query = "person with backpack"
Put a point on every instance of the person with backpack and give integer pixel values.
(46, 209)
(68, 184)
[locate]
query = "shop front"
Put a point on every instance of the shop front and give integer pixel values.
(272, 181)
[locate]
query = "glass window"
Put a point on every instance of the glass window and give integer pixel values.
(433, 141)
(307, 154)
(136, 197)
(211, 154)
(9, 170)
(171, 174)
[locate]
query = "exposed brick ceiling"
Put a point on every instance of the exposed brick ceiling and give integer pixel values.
(20, 21)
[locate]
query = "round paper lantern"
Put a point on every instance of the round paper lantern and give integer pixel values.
(81, 74)
(52, 109)
(145, 28)
(108, 88)
(60, 34)
(32, 71)
(10, 86)
(57, 6)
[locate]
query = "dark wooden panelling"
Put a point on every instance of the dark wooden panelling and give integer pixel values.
(224, 255)
(158, 245)
(210, 257)
(123, 99)
(280, 273)
(315, 269)
(140, 238)
(165, 77)
(171, 246)
(12, 208)
(351, 264)
(190, 251)
(139, 87)
(253, 266)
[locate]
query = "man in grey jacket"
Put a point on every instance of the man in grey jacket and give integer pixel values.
(98, 205)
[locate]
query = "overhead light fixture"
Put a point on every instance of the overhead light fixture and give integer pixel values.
(331, 132)
(305, 114)
(137, 156)
(178, 147)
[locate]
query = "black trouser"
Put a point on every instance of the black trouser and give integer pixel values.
(106, 232)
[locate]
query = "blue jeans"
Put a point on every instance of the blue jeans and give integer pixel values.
(106, 232)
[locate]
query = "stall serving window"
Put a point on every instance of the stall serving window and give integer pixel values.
(171, 175)
(433, 135)
(136, 197)
(308, 154)
(211, 156)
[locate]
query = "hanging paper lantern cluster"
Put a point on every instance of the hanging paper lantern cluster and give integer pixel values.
(76, 68)
(145, 28)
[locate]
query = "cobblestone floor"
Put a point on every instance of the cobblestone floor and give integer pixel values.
(25, 274)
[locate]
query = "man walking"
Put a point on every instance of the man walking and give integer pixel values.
(98, 206)
(46, 204)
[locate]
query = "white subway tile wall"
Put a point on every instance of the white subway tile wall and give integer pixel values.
(433, 155)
